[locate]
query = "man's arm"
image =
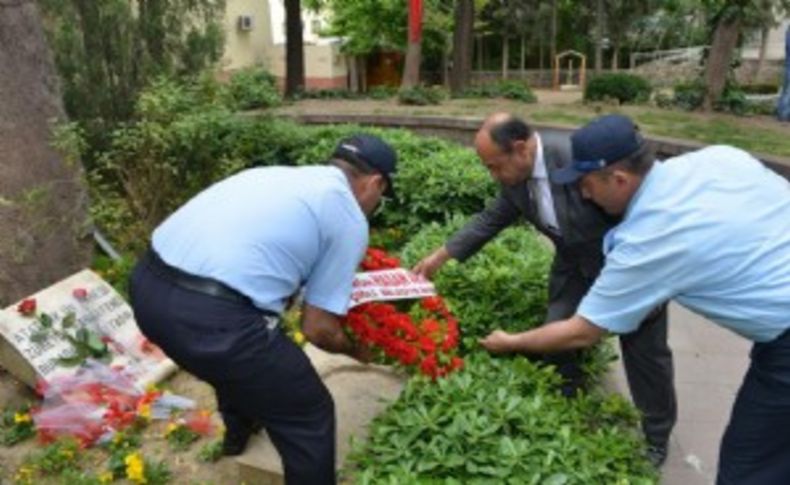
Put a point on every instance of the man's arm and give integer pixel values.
(323, 329)
(574, 333)
(470, 238)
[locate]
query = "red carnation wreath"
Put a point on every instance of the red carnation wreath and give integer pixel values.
(419, 335)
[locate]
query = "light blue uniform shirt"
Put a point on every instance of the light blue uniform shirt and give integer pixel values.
(266, 232)
(710, 229)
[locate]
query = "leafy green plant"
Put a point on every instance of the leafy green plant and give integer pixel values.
(252, 88)
(16, 426)
(422, 95)
(502, 286)
(211, 452)
(501, 420)
(85, 343)
(180, 437)
(382, 92)
(506, 88)
(625, 88)
(56, 457)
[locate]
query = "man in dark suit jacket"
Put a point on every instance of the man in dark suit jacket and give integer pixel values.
(520, 159)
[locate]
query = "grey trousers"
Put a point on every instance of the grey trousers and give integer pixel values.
(646, 355)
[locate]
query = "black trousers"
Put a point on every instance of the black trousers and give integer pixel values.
(647, 358)
(258, 374)
(755, 449)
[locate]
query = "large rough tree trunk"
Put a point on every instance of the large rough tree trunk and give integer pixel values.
(43, 201)
(294, 48)
(462, 45)
(411, 66)
(725, 39)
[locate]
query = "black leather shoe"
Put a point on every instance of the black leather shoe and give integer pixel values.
(657, 454)
(235, 443)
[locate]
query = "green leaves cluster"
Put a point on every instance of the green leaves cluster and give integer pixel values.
(624, 88)
(85, 343)
(16, 425)
(509, 89)
(500, 420)
(503, 286)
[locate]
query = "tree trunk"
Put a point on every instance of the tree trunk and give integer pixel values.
(761, 56)
(505, 55)
(294, 48)
(599, 21)
(480, 52)
(353, 74)
(43, 201)
(523, 60)
(411, 67)
(615, 57)
(553, 43)
(462, 45)
(724, 40)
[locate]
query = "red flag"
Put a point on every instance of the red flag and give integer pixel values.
(415, 20)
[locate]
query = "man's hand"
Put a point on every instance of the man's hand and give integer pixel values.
(431, 263)
(574, 333)
(498, 342)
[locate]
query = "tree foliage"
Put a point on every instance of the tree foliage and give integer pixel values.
(107, 51)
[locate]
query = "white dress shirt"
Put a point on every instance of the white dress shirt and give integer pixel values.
(540, 188)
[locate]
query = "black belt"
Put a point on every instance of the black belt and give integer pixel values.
(200, 284)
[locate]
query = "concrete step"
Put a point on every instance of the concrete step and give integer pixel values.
(360, 392)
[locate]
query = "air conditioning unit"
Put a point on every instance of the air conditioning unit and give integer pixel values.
(245, 22)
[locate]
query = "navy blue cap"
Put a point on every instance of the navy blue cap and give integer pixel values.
(599, 143)
(371, 151)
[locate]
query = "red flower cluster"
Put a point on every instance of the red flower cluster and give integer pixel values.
(424, 338)
(88, 411)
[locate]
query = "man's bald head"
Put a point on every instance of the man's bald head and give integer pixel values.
(504, 129)
(506, 148)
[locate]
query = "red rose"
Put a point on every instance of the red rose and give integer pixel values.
(80, 293)
(27, 307)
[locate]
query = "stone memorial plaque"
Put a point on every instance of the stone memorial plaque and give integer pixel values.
(46, 335)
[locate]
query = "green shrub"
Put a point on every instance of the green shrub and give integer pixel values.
(689, 96)
(502, 286)
(510, 89)
(625, 88)
(252, 88)
(336, 93)
(500, 420)
(435, 179)
(422, 95)
(382, 92)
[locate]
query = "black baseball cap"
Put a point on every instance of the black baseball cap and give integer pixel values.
(597, 144)
(372, 151)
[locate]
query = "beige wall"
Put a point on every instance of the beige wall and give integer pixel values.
(246, 48)
(325, 66)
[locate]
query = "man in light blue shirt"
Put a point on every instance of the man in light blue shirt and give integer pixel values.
(711, 230)
(221, 270)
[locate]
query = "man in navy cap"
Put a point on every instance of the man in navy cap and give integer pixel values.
(211, 290)
(520, 158)
(710, 230)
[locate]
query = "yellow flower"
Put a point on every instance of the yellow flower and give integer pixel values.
(171, 427)
(21, 418)
(25, 475)
(144, 411)
(135, 468)
(298, 337)
(106, 477)
(67, 453)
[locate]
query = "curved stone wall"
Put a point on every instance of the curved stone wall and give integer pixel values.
(462, 130)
